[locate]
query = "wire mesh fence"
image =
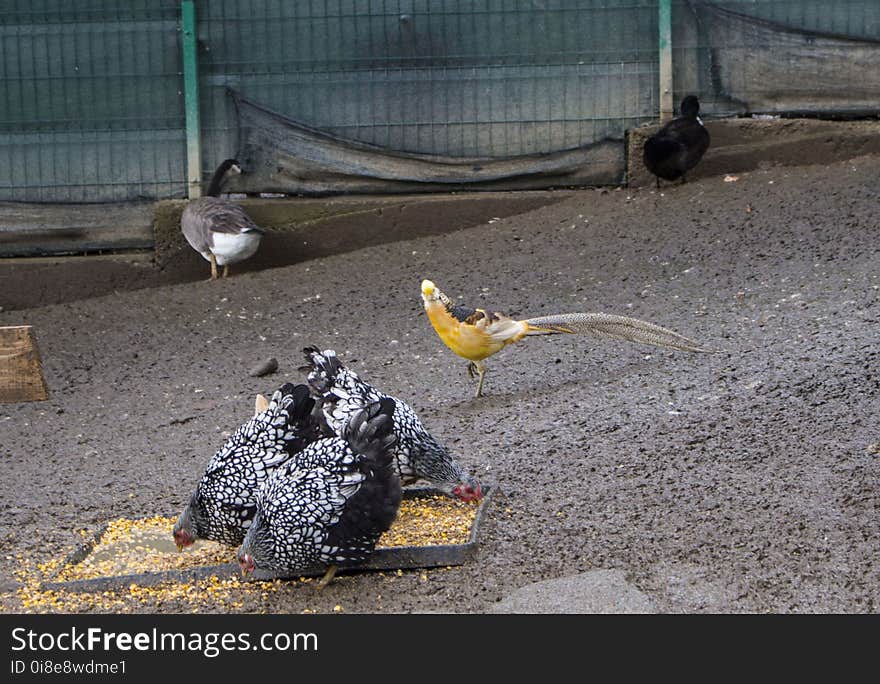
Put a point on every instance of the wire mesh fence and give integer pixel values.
(456, 78)
(90, 108)
(93, 105)
(807, 57)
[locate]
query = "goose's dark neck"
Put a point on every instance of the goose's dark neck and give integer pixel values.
(217, 181)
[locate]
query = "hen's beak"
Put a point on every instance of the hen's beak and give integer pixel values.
(181, 539)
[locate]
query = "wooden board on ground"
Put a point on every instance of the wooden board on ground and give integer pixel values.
(21, 371)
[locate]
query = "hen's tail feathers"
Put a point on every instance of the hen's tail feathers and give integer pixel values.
(293, 406)
(370, 432)
(301, 402)
(615, 327)
(322, 368)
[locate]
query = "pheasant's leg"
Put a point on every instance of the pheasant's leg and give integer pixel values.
(657, 180)
(475, 369)
(225, 270)
(213, 267)
(325, 580)
(481, 371)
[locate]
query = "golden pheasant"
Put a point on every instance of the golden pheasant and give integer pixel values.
(477, 334)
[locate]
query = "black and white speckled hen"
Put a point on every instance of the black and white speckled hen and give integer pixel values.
(418, 454)
(329, 504)
(224, 501)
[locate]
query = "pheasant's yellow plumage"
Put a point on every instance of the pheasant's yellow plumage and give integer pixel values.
(477, 334)
(475, 337)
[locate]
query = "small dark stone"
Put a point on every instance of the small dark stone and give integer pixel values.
(265, 367)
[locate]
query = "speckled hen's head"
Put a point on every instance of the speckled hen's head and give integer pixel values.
(469, 490)
(256, 549)
(183, 530)
(246, 563)
(189, 524)
(456, 482)
(435, 464)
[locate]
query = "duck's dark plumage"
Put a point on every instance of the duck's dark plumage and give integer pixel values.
(679, 145)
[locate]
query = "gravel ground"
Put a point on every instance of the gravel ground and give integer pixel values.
(744, 481)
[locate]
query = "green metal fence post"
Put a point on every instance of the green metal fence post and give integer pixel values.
(665, 44)
(191, 100)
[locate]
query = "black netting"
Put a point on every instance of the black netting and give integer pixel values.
(283, 156)
(751, 64)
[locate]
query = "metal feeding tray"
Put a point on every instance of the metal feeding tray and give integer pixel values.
(383, 558)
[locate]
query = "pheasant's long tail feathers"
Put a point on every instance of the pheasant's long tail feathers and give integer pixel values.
(613, 326)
